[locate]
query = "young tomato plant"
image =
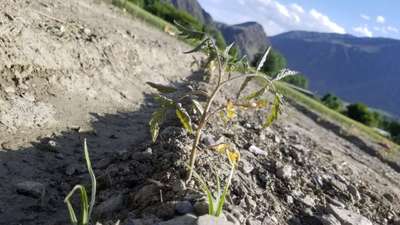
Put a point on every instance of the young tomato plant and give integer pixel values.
(228, 69)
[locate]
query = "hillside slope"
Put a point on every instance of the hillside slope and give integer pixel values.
(77, 69)
(356, 69)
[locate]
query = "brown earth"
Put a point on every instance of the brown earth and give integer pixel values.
(75, 69)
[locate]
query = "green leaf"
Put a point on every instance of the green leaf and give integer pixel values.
(184, 117)
(206, 190)
(244, 85)
(198, 47)
(162, 88)
(263, 59)
(92, 177)
(164, 101)
(228, 49)
(275, 110)
(188, 33)
(84, 206)
(157, 118)
(256, 94)
(198, 107)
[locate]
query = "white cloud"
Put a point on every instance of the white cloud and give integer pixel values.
(393, 29)
(363, 31)
(365, 17)
(275, 16)
(380, 19)
(297, 8)
(326, 22)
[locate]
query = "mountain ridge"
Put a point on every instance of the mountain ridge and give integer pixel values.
(355, 68)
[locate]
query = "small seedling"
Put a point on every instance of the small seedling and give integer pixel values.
(226, 66)
(86, 206)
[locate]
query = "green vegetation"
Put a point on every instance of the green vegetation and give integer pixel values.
(298, 80)
(86, 207)
(333, 102)
(274, 64)
(225, 64)
(170, 14)
(361, 113)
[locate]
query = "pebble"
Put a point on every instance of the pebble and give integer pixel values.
(284, 172)
(31, 188)
(354, 193)
(257, 151)
(211, 220)
(329, 220)
(347, 217)
(187, 219)
(245, 166)
(109, 206)
(183, 207)
(200, 208)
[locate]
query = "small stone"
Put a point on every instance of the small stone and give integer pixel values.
(109, 206)
(208, 140)
(183, 207)
(257, 151)
(245, 166)
(338, 184)
(200, 208)
(187, 219)
(335, 202)
(329, 220)
(87, 31)
(347, 217)
(251, 204)
(179, 186)
(31, 188)
(231, 218)
(308, 201)
(289, 199)
(211, 220)
(354, 193)
(284, 172)
(253, 222)
(389, 197)
(277, 139)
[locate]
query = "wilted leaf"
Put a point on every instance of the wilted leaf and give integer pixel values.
(184, 117)
(275, 110)
(220, 148)
(261, 103)
(263, 59)
(198, 107)
(162, 88)
(198, 47)
(233, 156)
(243, 86)
(230, 110)
(256, 94)
(157, 118)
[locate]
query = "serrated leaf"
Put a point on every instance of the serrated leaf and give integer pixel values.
(256, 94)
(157, 118)
(263, 59)
(244, 85)
(275, 110)
(162, 88)
(184, 117)
(198, 107)
(198, 47)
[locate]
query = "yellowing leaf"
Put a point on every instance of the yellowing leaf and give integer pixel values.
(157, 118)
(230, 110)
(184, 117)
(275, 110)
(220, 148)
(233, 157)
(162, 88)
(261, 103)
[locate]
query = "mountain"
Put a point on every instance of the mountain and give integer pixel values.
(250, 37)
(356, 69)
(194, 8)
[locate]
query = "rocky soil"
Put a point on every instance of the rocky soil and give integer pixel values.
(76, 69)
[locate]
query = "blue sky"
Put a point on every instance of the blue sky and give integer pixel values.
(365, 18)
